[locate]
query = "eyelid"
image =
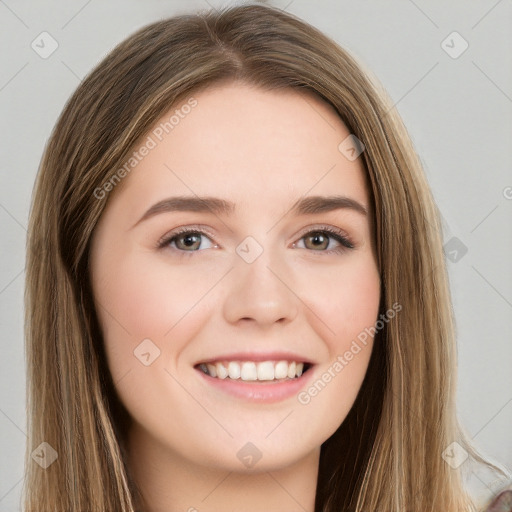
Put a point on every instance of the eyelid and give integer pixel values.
(325, 227)
(340, 235)
(332, 230)
(184, 229)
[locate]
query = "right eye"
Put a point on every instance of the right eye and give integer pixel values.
(184, 240)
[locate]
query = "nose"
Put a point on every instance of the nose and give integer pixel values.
(260, 293)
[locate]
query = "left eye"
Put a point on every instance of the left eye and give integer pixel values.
(320, 238)
(185, 240)
(190, 241)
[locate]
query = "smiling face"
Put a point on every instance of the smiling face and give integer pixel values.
(267, 276)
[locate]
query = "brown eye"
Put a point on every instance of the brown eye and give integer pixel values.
(186, 241)
(190, 241)
(318, 240)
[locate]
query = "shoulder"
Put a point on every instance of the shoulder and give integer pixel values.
(502, 502)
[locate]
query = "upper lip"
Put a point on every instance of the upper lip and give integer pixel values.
(257, 357)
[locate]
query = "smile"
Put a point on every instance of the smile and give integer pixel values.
(255, 371)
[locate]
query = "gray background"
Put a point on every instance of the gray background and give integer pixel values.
(458, 112)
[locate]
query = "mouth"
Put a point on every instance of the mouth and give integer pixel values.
(255, 371)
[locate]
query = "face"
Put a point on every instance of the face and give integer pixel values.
(238, 320)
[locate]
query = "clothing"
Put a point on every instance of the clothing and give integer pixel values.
(502, 502)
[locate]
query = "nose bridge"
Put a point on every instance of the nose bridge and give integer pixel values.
(258, 288)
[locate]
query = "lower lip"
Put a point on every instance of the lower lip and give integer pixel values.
(259, 391)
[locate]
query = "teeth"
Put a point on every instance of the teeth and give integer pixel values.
(233, 370)
(248, 372)
(281, 370)
(251, 371)
(266, 371)
(211, 370)
(222, 373)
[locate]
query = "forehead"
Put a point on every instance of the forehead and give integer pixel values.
(247, 144)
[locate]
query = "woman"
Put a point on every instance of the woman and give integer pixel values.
(260, 370)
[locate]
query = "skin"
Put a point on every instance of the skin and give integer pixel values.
(263, 150)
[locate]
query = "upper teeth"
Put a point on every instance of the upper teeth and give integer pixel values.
(249, 370)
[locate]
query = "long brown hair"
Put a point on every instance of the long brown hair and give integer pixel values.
(387, 454)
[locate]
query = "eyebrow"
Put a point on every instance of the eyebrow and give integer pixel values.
(306, 206)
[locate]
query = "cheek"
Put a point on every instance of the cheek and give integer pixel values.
(346, 300)
(140, 298)
(348, 307)
(356, 308)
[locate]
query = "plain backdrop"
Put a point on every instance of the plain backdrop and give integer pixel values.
(456, 102)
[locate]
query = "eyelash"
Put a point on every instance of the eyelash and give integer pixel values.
(337, 234)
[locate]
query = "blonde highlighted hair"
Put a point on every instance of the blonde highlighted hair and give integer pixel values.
(386, 455)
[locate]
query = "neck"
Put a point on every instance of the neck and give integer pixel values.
(170, 483)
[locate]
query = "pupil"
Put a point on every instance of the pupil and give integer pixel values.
(318, 238)
(189, 240)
